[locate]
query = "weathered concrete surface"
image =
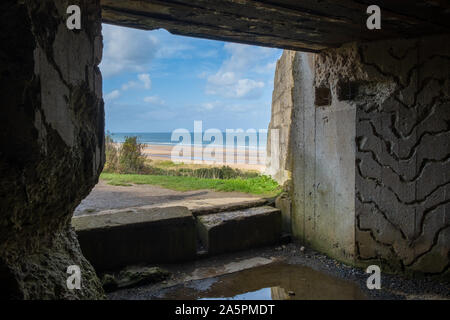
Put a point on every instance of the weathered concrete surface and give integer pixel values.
(323, 167)
(401, 92)
(52, 127)
(278, 159)
(307, 25)
(199, 207)
(205, 273)
(370, 175)
(403, 155)
(239, 230)
(316, 152)
(159, 235)
(108, 198)
(133, 276)
(51, 141)
(284, 203)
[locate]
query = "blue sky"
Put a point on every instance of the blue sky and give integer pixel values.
(157, 82)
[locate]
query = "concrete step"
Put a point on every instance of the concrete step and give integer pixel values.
(239, 230)
(124, 238)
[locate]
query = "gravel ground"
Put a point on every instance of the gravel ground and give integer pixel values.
(393, 286)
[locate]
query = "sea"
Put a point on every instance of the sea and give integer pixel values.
(241, 140)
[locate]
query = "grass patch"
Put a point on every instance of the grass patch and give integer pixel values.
(261, 185)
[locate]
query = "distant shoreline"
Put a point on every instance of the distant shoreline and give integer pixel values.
(242, 158)
(165, 139)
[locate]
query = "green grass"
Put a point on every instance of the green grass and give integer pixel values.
(262, 185)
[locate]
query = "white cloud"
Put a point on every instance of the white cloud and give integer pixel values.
(234, 78)
(129, 85)
(222, 78)
(145, 79)
(112, 95)
(269, 68)
(208, 106)
(144, 82)
(133, 50)
(174, 48)
(228, 85)
(154, 100)
(246, 87)
(126, 50)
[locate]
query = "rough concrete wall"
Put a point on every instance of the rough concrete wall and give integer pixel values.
(401, 91)
(52, 144)
(306, 25)
(323, 156)
(278, 160)
(370, 146)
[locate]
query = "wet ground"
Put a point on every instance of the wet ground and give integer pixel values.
(279, 272)
(276, 281)
(105, 197)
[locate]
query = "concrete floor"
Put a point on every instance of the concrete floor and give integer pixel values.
(106, 197)
(292, 273)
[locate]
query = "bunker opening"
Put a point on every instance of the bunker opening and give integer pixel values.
(173, 189)
(361, 150)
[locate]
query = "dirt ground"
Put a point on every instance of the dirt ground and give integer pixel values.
(105, 197)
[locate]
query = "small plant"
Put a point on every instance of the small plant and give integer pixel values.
(112, 155)
(131, 158)
(126, 158)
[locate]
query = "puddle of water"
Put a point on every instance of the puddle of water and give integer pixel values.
(278, 281)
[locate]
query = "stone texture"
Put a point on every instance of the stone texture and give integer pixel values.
(383, 140)
(133, 276)
(400, 90)
(323, 156)
(370, 167)
(403, 148)
(306, 25)
(52, 145)
(284, 203)
(278, 159)
(239, 230)
(128, 237)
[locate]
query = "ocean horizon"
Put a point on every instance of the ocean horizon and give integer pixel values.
(165, 138)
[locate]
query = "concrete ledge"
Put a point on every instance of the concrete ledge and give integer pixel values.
(157, 235)
(239, 230)
(200, 207)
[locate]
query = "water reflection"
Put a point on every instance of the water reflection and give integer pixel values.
(279, 281)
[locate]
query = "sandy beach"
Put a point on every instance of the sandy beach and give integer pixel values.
(237, 158)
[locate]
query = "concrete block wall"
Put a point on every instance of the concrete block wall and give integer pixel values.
(323, 156)
(278, 160)
(139, 236)
(370, 148)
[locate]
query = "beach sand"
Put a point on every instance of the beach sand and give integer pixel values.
(237, 158)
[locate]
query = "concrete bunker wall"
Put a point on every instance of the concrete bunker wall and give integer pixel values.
(278, 160)
(370, 146)
(52, 144)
